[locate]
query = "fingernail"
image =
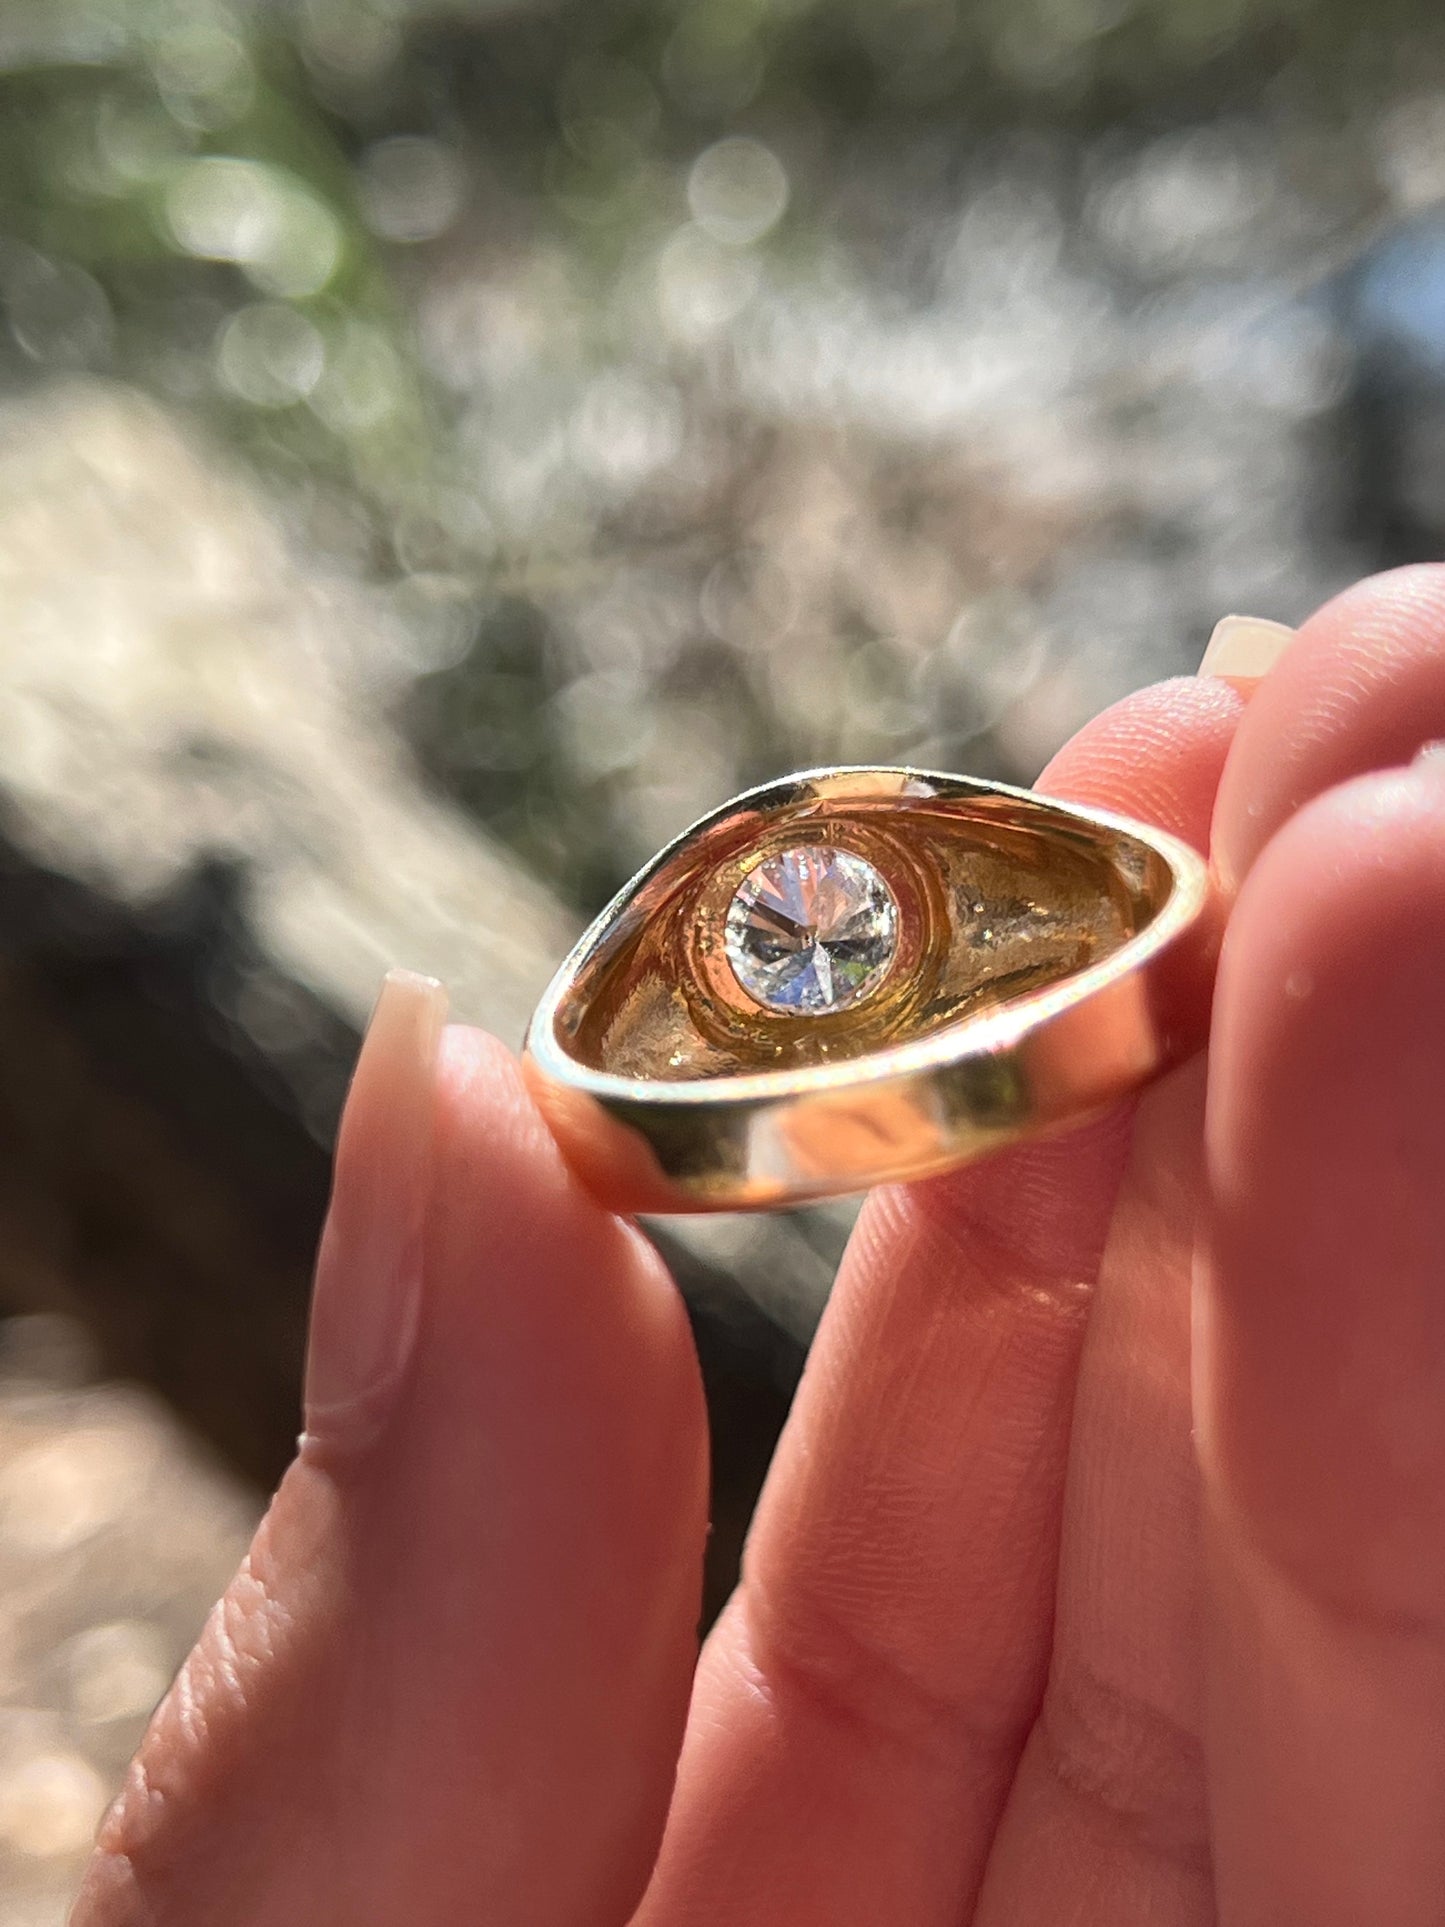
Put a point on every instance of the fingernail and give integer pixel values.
(1243, 650)
(368, 1273)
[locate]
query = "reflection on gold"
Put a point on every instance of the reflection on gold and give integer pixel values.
(846, 1136)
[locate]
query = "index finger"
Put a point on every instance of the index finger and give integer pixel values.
(861, 1706)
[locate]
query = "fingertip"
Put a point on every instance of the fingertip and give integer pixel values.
(506, 1157)
(484, 1103)
(1156, 755)
(501, 1168)
(1360, 688)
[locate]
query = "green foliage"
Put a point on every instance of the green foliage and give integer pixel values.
(176, 206)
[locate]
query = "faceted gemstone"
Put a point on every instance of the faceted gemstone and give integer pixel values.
(811, 929)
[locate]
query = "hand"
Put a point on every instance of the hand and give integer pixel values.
(1023, 1639)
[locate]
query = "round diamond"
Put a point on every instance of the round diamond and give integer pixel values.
(811, 929)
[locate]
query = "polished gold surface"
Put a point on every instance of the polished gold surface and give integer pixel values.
(1048, 959)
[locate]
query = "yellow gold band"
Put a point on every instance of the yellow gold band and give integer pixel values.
(858, 975)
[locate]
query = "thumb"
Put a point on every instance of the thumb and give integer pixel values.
(449, 1680)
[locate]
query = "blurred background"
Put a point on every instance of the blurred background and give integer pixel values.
(445, 446)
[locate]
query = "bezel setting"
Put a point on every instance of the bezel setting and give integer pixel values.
(813, 929)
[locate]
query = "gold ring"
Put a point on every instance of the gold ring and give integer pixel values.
(858, 975)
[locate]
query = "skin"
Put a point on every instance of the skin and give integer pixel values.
(1100, 1574)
